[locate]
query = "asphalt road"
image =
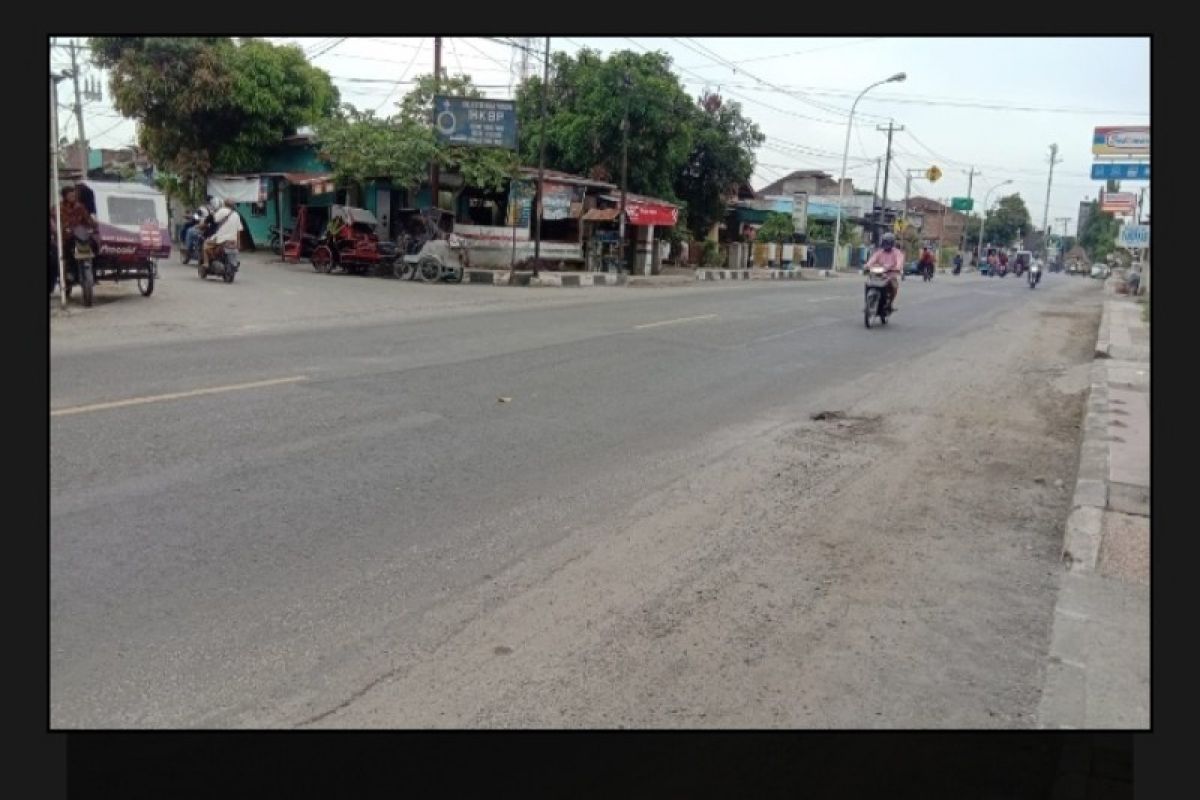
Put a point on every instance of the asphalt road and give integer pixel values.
(265, 544)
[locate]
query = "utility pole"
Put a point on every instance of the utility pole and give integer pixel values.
(1049, 182)
(887, 161)
(628, 83)
(874, 197)
(537, 243)
(970, 182)
(434, 188)
(54, 193)
(83, 145)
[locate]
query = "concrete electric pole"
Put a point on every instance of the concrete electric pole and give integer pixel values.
(1049, 183)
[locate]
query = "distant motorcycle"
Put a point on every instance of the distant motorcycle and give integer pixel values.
(1034, 275)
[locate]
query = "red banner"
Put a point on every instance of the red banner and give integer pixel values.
(651, 214)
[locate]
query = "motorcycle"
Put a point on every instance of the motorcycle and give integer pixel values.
(225, 264)
(927, 272)
(1034, 275)
(878, 296)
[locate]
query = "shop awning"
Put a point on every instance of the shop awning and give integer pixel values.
(317, 182)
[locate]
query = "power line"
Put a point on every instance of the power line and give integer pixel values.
(800, 52)
(403, 75)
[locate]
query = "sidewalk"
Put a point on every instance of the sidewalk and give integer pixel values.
(1099, 670)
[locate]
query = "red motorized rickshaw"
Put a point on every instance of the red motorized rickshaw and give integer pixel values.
(350, 243)
(132, 233)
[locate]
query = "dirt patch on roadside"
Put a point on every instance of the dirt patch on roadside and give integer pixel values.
(890, 560)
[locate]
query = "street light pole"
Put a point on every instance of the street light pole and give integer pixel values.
(982, 217)
(837, 234)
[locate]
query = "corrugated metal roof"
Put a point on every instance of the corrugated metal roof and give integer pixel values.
(602, 215)
(565, 177)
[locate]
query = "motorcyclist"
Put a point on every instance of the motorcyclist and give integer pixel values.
(73, 214)
(892, 261)
(926, 263)
(228, 228)
(958, 263)
(201, 227)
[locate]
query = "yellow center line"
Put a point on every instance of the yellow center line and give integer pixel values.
(673, 321)
(158, 398)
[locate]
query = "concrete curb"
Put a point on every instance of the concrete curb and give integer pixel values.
(500, 277)
(1097, 673)
(1081, 545)
(722, 274)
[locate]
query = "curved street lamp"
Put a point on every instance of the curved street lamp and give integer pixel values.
(982, 217)
(837, 235)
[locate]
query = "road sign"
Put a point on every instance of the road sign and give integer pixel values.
(1121, 140)
(933, 173)
(472, 121)
(1120, 171)
(1134, 237)
(962, 204)
(1118, 202)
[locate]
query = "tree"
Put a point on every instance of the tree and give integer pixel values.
(1010, 216)
(587, 98)
(722, 157)
(360, 146)
(206, 104)
(1099, 234)
(777, 228)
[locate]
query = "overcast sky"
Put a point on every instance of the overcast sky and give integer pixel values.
(994, 103)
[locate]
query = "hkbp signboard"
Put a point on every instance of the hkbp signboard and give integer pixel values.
(1134, 237)
(475, 121)
(1122, 140)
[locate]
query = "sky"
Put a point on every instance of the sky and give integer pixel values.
(993, 103)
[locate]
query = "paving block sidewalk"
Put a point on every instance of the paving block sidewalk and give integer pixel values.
(1098, 674)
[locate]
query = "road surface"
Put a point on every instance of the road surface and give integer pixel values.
(574, 508)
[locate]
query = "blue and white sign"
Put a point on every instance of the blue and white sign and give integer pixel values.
(1134, 237)
(471, 121)
(1120, 171)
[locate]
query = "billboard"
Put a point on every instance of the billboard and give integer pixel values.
(473, 121)
(1134, 237)
(1121, 140)
(1120, 170)
(1118, 202)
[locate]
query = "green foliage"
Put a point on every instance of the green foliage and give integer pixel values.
(710, 254)
(587, 98)
(1099, 234)
(206, 104)
(777, 228)
(722, 158)
(696, 153)
(1002, 224)
(360, 146)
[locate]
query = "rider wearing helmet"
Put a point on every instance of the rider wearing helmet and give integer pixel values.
(892, 260)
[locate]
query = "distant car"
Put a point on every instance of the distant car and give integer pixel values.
(1100, 271)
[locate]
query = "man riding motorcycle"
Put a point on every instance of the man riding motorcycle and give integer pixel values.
(228, 227)
(925, 265)
(892, 260)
